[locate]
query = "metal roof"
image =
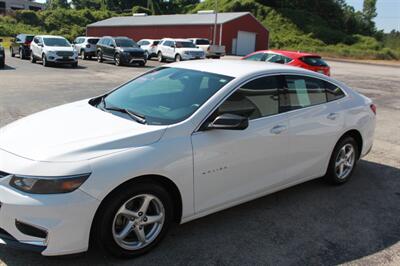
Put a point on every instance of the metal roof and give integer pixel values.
(161, 20)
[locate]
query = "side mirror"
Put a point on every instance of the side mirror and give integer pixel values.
(229, 122)
(112, 45)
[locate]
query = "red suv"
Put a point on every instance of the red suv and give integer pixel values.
(308, 61)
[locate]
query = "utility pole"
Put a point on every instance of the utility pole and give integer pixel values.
(215, 22)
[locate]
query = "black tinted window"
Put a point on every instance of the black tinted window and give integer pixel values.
(202, 42)
(314, 61)
(333, 92)
(305, 91)
(256, 57)
(257, 98)
(156, 42)
(277, 58)
(93, 41)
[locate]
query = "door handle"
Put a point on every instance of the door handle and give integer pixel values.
(278, 129)
(332, 116)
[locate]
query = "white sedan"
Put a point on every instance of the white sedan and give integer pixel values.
(175, 144)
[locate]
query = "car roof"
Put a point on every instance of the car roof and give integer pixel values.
(176, 40)
(50, 36)
(241, 68)
(291, 54)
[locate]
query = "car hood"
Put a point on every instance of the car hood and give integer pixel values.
(74, 132)
(131, 49)
(59, 48)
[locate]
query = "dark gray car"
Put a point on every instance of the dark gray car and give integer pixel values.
(121, 50)
(2, 55)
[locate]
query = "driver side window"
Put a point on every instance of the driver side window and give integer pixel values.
(255, 99)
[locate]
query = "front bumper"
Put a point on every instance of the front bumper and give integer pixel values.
(62, 59)
(129, 58)
(66, 218)
(192, 57)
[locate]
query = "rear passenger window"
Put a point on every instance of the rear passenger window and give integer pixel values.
(256, 57)
(257, 98)
(305, 91)
(333, 92)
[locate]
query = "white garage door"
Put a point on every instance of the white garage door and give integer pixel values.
(246, 42)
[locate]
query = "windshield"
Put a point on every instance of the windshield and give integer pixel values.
(185, 45)
(125, 43)
(56, 42)
(202, 42)
(167, 95)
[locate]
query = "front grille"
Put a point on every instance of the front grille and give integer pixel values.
(64, 53)
(136, 54)
(3, 174)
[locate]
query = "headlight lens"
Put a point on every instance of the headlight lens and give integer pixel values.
(48, 185)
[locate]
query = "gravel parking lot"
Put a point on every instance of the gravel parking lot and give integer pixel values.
(312, 223)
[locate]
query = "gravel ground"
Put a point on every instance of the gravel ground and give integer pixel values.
(312, 223)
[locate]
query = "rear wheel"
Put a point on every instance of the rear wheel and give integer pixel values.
(12, 52)
(33, 59)
(2, 63)
(83, 54)
(343, 161)
(75, 65)
(134, 220)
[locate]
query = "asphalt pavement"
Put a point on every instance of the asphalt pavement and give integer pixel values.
(310, 224)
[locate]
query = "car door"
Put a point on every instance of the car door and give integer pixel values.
(109, 46)
(230, 165)
(314, 126)
(170, 48)
(35, 47)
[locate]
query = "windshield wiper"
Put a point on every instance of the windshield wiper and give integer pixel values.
(135, 116)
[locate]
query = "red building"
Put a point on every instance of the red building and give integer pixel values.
(240, 32)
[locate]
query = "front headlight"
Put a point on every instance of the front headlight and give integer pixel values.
(48, 185)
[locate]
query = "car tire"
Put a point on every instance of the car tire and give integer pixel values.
(178, 58)
(75, 65)
(343, 161)
(160, 57)
(83, 55)
(146, 55)
(33, 59)
(99, 57)
(2, 64)
(21, 54)
(12, 52)
(44, 61)
(143, 63)
(117, 60)
(111, 221)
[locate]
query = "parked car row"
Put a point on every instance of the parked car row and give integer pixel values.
(123, 51)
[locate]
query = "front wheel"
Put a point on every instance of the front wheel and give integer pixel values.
(21, 54)
(83, 55)
(99, 57)
(343, 161)
(178, 58)
(117, 59)
(160, 57)
(133, 220)
(44, 61)
(12, 52)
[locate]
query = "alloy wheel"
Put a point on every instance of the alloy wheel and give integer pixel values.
(138, 222)
(344, 162)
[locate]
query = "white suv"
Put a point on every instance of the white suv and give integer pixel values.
(149, 46)
(178, 50)
(86, 46)
(53, 50)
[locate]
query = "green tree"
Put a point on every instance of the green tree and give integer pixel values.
(54, 4)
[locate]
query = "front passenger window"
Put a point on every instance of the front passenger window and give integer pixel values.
(257, 98)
